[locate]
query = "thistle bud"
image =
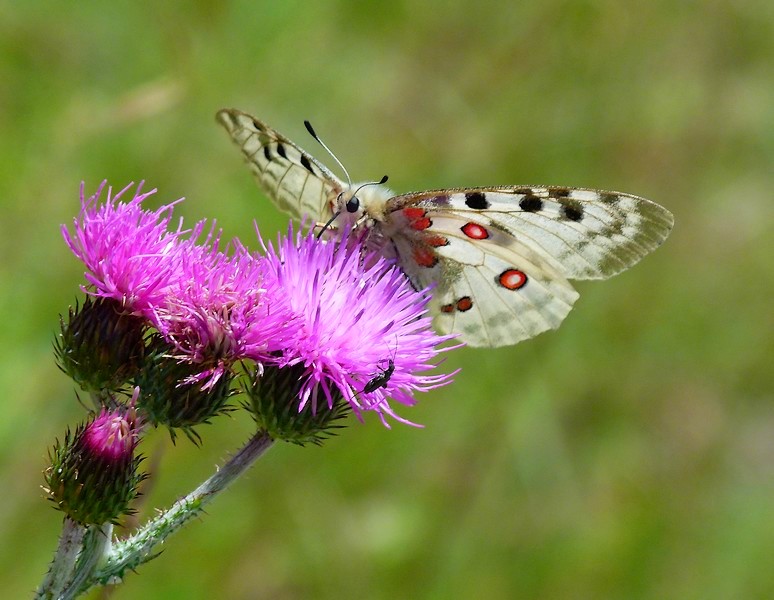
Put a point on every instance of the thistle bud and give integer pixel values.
(100, 346)
(94, 475)
(274, 401)
(172, 396)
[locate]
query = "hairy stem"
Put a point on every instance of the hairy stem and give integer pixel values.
(96, 546)
(139, 548)
(60, 572)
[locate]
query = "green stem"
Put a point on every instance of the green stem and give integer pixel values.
(62, 566)
(96, 546)
(138, 548)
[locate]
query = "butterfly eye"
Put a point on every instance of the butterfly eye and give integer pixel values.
(353, 204)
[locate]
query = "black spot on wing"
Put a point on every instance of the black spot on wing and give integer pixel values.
(609, 199)
(476, 200)
(281, 150)
(267, 153)
(258, 125)
(438, 200)
(572, 210)
(306, 164)
(531, 203)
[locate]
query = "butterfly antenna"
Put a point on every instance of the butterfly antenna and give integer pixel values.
(312, 132)
(382, 181)
(328, 224)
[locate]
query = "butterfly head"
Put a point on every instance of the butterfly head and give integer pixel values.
(363, 201)
(357, 203)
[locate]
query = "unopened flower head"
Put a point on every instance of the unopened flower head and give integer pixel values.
(130, 254)
(94, 474)
(364, 331)
(100, 346)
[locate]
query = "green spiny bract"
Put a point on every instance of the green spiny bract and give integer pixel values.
(169, 396)
(100, 347)
(94, 472)
(274, 404)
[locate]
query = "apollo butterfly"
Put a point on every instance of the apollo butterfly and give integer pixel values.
(500, 257)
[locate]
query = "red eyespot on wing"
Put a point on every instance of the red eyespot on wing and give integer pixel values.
(464, 303)
(512, 279)
(475, 231)
(424, 256)
(412, 213)
(421, 224)
(436, 241)
(417, 218)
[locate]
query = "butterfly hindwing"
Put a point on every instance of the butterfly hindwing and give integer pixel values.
(485, 313)
(492, 292)
(296, 182)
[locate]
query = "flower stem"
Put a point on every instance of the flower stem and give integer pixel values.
(96, 546)
(138, 548)
(61, 570)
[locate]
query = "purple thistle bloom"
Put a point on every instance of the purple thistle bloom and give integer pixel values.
(346, 317)
(129, 254)
(112, 435)
(363, 328)
(214, 309)
(224, 309)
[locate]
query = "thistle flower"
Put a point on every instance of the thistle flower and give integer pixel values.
(129, 253)
(229, 309)
(364, 332)
(93, 475)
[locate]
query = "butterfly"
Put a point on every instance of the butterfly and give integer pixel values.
(499, 257)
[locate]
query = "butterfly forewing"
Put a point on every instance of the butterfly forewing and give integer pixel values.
(591, 234)
(292, 178)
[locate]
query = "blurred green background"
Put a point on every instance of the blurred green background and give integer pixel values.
(628, 455)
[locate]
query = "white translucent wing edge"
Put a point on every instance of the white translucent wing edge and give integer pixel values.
(292, 178)
(503, 319)
(614, 232)
(498, 316)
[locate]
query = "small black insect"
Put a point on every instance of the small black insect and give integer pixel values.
(381, 380)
